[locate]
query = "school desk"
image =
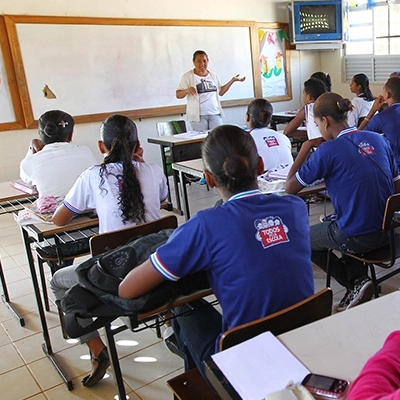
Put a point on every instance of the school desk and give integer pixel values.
(339, 345)
(181, 149)
(195, 168)
(283, 117)
(11, 200)
(37, 233)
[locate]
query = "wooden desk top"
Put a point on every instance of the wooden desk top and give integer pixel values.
(9, 193)
(39, 231)
(196, 167)
(340, 345)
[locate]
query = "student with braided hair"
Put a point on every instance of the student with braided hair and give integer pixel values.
(124, 191)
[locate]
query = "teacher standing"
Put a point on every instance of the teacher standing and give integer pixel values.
(203, 88)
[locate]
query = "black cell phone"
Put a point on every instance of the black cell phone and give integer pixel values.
(325, 386)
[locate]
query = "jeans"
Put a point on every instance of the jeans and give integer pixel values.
(207, 122)
(63, 280)
(196, 332)
(345, 270)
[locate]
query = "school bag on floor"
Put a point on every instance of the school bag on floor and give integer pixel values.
(96, 295)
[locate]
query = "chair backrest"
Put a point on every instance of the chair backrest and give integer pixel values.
(111, 240)
(170, 128)
(392, 205)
(309, 310)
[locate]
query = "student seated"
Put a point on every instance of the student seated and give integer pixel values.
(325, 78)
(380, 377)
(124, 191)
(313, 88)
(350, 161)
(386, 122)
(254, 248)
(273, 147)
(53, 163)
(363, 101)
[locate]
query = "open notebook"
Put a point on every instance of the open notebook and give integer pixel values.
(260, 366)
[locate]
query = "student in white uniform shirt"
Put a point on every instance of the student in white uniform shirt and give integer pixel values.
(124, 191)
(363, 101)
(272, 146)
(53, 163)
(313, 88)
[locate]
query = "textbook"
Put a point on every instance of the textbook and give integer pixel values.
(23, 187)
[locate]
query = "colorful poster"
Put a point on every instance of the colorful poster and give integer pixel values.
(272, 62)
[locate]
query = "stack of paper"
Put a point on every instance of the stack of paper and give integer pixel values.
(192, 135)
(260, 366)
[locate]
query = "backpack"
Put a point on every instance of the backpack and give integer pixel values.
(96, 294)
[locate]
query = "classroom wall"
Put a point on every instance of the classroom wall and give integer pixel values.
(332, 62)
(13, 144)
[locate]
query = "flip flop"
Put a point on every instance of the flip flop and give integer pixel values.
(103, 361)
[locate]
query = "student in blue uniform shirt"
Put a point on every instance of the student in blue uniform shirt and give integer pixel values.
(254, 247)
(360, 174)
(387, 121)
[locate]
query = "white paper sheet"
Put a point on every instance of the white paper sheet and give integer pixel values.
(260, 366)
(192, 135)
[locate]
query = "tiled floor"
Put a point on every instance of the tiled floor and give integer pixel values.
(25, 373)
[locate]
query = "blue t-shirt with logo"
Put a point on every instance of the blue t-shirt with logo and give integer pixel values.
(255, 249)
(359, 170)
(388, 123)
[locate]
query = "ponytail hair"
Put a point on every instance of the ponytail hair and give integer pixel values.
(332, 105)
(120, 137)
(55, 126)
(363, 81)
(260, 113)
(325, 78)
(230, 155)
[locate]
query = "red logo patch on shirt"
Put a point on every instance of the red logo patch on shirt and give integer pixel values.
(271, 231)
(271, 141)
(366, 149)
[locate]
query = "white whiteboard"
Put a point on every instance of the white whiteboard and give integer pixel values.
(96, 69)
(6, 107)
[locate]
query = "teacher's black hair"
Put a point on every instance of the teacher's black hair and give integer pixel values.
(199, 53)
(230, 155)
(120, 136)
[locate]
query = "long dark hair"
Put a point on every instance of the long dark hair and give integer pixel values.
(260, 113)
(332, 105)
(230, 155)
(363, 81)
(55, 126)
(120, 137)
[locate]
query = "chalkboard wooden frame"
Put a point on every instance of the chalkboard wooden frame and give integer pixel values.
(12, 22)
(18, 121)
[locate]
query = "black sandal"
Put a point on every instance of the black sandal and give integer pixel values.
(103, 362)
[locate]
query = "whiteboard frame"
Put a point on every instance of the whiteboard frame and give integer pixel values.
(19, 121)
(11, 22)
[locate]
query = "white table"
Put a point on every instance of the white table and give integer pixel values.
(340, 345)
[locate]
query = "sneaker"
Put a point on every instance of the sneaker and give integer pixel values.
(202, 181)
(330, 217)
(362, 292)
(344, 303)
(171, 342)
